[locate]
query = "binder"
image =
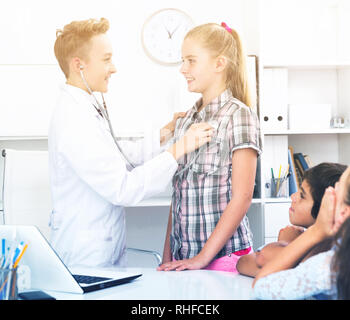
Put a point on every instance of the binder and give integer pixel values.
(293, 168)
(299, 175)
(275, 99)
(299, 169)
(302, 161)
(308, 161)
(280, 78)
(267, 99)
(293, 185)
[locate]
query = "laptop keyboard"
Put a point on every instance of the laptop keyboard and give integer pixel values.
(88, 279)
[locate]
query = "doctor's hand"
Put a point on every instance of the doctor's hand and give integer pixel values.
(171, 125)
(194, 263)
(196, 136)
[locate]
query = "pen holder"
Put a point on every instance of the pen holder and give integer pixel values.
(279, 188)
(8, 284)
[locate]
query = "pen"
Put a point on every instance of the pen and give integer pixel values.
(282, 181)
(279, 173)
(287, 171)
(20, 256)
(3, 242)
(278, 180)
(17, 251)
(273, 183)
(10, 254)
(3, 258)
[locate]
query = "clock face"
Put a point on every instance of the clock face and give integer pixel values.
(163, 33)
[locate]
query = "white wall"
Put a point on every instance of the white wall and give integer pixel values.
(142, 89)
(344, 110)
(308, 31)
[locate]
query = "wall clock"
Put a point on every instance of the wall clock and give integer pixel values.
(163, 33)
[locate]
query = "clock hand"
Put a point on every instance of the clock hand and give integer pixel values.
(171, 34)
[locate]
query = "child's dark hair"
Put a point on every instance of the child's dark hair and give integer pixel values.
(321, 177)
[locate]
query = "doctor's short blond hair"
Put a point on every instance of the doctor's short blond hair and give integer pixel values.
(74, 40)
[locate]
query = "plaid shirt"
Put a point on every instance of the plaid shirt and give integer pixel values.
(202, 183)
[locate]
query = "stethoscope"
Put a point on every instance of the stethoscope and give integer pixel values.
(104, 112)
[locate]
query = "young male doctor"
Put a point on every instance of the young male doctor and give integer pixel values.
(90, 180)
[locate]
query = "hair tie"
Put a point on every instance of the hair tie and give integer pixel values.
(223, 24)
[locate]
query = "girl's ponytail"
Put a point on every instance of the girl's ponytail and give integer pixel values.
(237, 78)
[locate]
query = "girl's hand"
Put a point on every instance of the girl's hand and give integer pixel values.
(289, 233)
(194, 263)
(325, 224)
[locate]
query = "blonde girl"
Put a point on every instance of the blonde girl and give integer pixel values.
(213, 188)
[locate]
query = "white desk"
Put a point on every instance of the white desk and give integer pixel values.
(172, 285)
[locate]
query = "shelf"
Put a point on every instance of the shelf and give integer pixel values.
(14, 138)
(312, 65)
(166, 202)
(278, 200)
(131, 135)
(267, 133)
(154, 202)
(316, 131)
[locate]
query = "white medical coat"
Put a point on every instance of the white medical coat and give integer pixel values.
(90, 183)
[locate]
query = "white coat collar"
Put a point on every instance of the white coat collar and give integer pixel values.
(82, 98)
(77, 93)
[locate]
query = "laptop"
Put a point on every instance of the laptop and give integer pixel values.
(48, 272)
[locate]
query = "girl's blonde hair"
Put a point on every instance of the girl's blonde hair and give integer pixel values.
(220, 41)
(74, 40)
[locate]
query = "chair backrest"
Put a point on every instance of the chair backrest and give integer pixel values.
(26, 189)
(141, 258)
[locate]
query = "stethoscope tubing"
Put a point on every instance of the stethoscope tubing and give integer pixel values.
(103, 110)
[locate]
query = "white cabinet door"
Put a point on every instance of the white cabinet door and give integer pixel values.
(276, 218)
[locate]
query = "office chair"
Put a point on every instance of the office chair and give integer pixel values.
(133, 261)
(27, 197)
